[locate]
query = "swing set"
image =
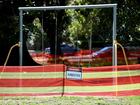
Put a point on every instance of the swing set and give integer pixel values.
(58, 8)
(59, 79)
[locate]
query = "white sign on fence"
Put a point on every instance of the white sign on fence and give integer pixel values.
(74, 73)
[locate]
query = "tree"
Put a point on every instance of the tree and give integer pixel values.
(128, 22)
(70, 23)
(10, 33)
(90, 23)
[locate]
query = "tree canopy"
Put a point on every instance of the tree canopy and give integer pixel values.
(71, 26)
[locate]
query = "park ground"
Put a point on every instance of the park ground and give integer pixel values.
(131, 100)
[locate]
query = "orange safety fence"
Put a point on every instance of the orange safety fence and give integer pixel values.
(52, 80)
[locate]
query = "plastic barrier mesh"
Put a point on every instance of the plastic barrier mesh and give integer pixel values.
(52, 80)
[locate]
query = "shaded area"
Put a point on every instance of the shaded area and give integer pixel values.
(9, 34)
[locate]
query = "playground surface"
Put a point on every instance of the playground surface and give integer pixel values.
(135, 100)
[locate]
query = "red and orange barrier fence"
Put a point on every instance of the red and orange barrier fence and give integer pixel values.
(52, 80)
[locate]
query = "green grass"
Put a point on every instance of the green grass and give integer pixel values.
(134, 100)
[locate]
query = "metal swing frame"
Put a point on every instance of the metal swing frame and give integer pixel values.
(113, 6)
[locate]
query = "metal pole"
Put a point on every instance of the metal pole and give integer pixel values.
(90, 44)
(68, 7)
(21, 38)
(114, 55)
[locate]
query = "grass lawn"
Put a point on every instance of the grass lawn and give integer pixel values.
(133, 100)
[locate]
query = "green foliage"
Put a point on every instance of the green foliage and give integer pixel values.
(128, 22)
(89, 24)
(98, 22)
(35, 35)
(72, 26)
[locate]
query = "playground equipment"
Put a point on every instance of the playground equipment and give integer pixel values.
(55, 80)
(56, 8)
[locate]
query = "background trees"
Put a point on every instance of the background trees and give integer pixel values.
(128, 25)
(90, 24)
(9, 12)
(9, 31)
(71, 26)
(128, 22)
